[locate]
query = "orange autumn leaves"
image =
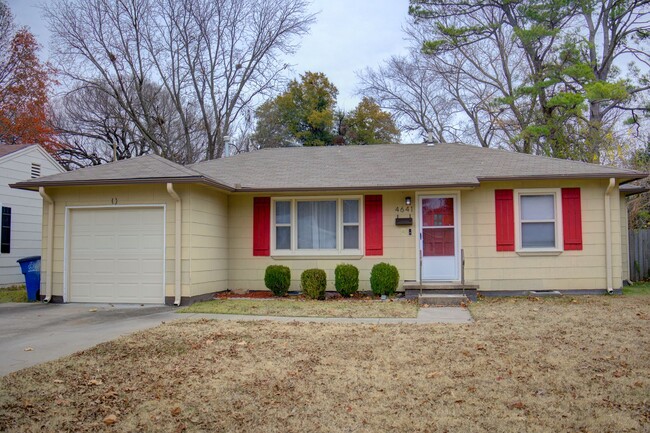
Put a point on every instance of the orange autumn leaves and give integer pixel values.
(24, 105)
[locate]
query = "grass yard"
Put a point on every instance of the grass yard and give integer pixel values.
(306, 308)
(13, 294)
(638, 289)
(526, 365)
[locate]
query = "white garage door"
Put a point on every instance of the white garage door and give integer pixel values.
(116, 255)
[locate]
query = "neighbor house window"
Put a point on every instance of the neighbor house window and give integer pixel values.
(538, 225)
(5, 231)
(323, 225)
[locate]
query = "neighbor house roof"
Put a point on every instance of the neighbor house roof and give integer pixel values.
(6, 149)
(396, 166)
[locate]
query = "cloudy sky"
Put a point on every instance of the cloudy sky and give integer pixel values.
(349, 35)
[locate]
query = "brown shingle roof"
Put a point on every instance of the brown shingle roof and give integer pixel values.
(391, 166)
(144, 169)
(342, 167)
(6, 149)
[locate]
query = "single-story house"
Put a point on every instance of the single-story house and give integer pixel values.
(22, 211)
(147, 230)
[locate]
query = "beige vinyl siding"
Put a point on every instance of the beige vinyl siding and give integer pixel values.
(125, 195)
(208, 240)
(625, 240)
(493, 270)
(247, 271)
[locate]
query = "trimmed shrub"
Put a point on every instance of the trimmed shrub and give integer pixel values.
(384, 279)
(277, 279)
(314, 283)
(346, 279)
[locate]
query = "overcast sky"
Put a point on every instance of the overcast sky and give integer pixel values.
(348, 36)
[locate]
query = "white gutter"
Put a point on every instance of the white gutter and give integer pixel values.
(608, 235)
(177, 245)
(50, 244)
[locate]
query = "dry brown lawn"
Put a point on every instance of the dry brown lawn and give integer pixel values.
(307, 308)
(524, 366)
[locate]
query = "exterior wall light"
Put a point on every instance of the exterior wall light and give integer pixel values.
(408, 201)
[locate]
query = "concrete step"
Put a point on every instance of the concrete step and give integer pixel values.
(468, 291)
(443, 300)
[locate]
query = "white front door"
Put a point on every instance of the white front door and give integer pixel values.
(439, 249)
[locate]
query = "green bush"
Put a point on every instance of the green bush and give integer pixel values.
(313, 283)
(346, 279)
(277, 279)
(384, 279)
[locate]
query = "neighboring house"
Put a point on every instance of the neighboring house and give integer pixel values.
(22, 211)
(448, 216)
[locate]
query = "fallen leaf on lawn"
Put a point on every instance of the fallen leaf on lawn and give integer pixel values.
(176, 411)
(434, 374)
(93, 310)
(242, 343)
(208, 341)
(28, 349)
(110, 419)
(516, 405)
(95, 382)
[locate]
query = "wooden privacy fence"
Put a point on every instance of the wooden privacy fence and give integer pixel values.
(639, 254)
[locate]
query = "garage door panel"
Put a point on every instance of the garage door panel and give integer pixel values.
(116, 255)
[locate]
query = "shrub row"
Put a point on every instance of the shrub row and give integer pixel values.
(384, 279)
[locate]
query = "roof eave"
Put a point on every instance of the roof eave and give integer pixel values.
(628, 177)
(360, 188)
(34, 185)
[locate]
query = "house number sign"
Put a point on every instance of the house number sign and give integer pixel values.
(403, 209)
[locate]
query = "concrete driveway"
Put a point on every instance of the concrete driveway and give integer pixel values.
(56, 330)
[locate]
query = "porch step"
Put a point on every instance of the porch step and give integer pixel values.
(443, 300)
(414, 290)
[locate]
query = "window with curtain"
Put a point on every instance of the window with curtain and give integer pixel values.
(537, 216)
(303, 225)
(317, 225)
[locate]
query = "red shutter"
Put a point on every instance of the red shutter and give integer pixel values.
(262, 226)
(374, 225)
(505, 219)
(572, 218)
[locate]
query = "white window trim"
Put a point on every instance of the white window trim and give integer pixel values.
(338, 251)
(559, 240)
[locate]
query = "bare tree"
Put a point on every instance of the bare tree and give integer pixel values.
(94, 129)
(209, 59)
(537, 65)
(7, 30)
(418, 98)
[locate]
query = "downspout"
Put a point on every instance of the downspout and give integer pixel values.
(50, 243)
(608, 235)
(177, 245)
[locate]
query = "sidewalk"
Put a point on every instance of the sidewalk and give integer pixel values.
(426, 316)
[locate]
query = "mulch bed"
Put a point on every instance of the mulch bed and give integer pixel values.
(264, 294)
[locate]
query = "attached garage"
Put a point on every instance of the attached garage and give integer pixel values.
(116, 254)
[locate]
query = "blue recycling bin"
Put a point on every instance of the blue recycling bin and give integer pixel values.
(31, 269)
